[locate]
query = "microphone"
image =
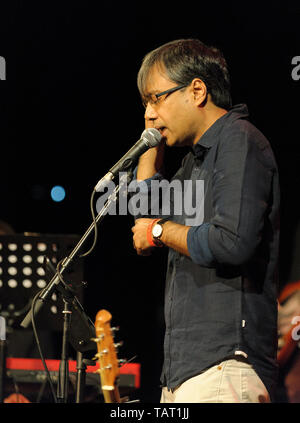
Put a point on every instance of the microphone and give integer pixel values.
(150, 138)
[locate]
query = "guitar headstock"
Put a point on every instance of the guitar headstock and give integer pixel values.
(106, 354)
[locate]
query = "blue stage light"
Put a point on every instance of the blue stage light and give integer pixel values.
(58, 193)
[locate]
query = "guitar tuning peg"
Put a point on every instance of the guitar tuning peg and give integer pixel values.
(99, 338)
(100, 370)
(118, 344)
(96, 356)
(115, 328)
(109, 366)
(100, 354)
(124, 361)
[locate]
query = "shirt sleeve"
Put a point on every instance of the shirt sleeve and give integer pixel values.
(241, 190)
(197, 243)
(141, 201)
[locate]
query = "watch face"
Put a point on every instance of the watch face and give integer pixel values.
(156, 231)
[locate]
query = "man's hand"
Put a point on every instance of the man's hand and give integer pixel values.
(140, 242)
(174, 236)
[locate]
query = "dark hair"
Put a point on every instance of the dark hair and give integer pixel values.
(186, 59)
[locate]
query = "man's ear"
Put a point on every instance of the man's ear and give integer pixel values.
(199, 91)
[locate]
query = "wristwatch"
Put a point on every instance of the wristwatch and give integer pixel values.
(157, 231)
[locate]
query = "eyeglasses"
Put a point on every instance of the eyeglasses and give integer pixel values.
(154, 99)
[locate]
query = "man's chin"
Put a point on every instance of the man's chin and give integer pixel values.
(172, 143)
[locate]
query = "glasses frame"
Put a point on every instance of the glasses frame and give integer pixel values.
(154, 98)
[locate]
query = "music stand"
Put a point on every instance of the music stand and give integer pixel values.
(22, 275)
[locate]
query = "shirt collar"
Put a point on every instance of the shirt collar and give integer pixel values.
(209, 137)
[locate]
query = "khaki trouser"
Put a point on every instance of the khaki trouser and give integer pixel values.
(230, 381)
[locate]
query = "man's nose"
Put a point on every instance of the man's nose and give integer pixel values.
(150, 112)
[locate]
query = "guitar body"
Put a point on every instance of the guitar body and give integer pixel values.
(107, 357)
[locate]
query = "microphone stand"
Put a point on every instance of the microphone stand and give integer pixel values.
(63, 374)
(77, 339)
(57, 283)
(2, 357)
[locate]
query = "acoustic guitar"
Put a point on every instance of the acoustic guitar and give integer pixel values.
(107, 357)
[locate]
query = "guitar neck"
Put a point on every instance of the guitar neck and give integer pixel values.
(107, 357)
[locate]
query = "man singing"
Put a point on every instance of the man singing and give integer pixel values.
(221, 285)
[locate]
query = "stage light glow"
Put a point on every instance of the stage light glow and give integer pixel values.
(58, 193)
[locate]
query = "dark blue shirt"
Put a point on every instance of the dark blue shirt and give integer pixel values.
(223, 298)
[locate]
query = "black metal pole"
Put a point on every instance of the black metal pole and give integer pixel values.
(80, 378)
(81, 366)
(2, 368)
(63, 374)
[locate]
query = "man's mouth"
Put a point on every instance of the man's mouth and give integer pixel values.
(162, 130)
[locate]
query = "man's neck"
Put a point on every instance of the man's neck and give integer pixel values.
(210, 114)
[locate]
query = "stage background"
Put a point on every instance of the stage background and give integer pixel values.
(70, 109)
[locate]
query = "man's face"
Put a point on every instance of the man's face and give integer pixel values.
(175, 114)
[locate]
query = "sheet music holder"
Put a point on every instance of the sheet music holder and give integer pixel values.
(22, 275)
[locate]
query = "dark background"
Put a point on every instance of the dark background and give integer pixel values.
(70, 109)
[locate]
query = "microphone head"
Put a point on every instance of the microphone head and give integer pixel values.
(151, 137)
